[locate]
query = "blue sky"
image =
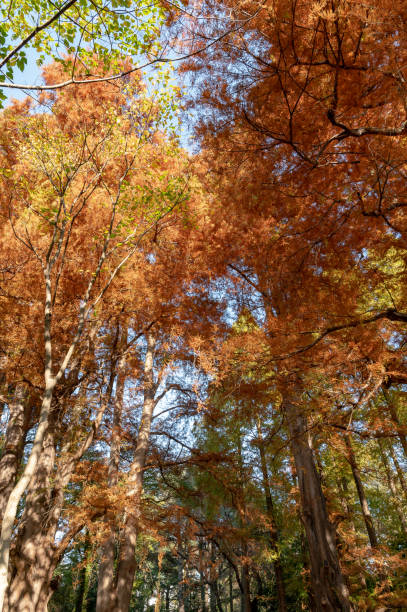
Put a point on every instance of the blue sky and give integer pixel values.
(30, 76)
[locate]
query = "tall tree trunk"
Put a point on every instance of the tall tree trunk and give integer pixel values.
(80, 592)
(245, 594)
(367, 517)
(88, 575)
(348, 512)
(259, 594)
(50, 381)
(217, 597)
(49, 508)
(395, 418)
(18, 490)
(230, 581)
(212, 581)
(202, 593)
(127, 564)
(274, 543)
(245, 601)
(157, 606)
(108, 550)
(45, 501)
(306, 573)
(392, 487)
(399, 471)
(181, 586)
(329, 588)
(18, 423)
(81, 595)
(202, 584)
(30, 559)
(344, 500)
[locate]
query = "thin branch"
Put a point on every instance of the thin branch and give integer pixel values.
(115, 77)
(36, 31)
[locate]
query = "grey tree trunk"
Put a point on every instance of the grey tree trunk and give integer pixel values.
(274, 543)
(108, 550)
(20, 487)
(31, 559)
(18, 423)
(212, 581)
(399, 471)
(39, 524)
(367, 517)
(80, 599)
(393, 488)
(344, 499)
(157, 606)
(328, 584)
(202, 586)
(230, 581)
(245, 602)
(181, 586)
(127, 564)
(395, 418)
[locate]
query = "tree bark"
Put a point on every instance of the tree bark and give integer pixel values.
(395, 418)
(181, 587)
(245, 594)
(31, 555)
(42, 511)
(367, 517)
(392, 487)
(108, 550)
(245, 602)
(329, 588)
(306, 573)
(157, 606)
(217, 597)
(202, 584)
(19, 489)
(399, 471)
(80, 601)
(212, 580)
(18, 423)
(273, 537)
(344, 500)
(230, 581)
(126, 566)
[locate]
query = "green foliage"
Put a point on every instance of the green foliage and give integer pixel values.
(79, 34)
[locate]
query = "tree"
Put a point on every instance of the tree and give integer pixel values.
(75, 172)
(223, 419)
(91, 39)
(74, 33)
(304, 134)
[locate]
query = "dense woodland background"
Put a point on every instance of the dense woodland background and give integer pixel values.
(203, 306)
